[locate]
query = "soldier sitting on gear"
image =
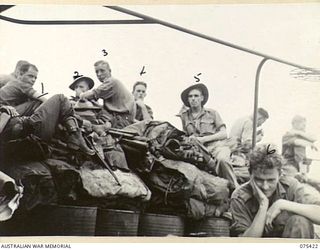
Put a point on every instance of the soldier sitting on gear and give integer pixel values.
(44, 122)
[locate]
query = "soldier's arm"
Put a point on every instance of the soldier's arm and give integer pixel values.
(258, 224)
(310, 211)
(38, 96)
(304, 135)
(144, 110)
(220, 135)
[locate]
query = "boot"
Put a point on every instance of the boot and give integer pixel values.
(21, 127)
(75, 140)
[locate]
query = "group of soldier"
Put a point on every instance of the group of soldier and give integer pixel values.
(270, 204)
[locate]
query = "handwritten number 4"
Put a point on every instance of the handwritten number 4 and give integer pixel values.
(142, 71)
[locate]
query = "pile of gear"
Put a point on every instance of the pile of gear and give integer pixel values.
(146, 166)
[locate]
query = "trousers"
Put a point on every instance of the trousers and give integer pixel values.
(292, 226)
(45, 118)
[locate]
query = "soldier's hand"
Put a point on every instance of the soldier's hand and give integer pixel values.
(201, 139)
(9, 110)
(140, 103)
(273, 212)
(190, 139)
(82, 96)
(261, 197)
(87, 126)
(313, 147)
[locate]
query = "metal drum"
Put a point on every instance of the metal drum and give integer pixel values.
(161, 225)
(18, 225)
(117, 223)
(56, 220)
(208, 227)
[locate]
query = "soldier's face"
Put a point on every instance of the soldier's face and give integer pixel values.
(195, 98)
(139, 92)
(29, 77)
(81, 87)
(300, 125)
(267, 180)
(102, 72)
(261, 119)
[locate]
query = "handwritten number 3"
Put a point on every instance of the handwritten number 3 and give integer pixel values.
(105, 53)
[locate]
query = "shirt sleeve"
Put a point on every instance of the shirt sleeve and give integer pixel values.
(218, 120)
(105, 90)
(288, 139)
(246, 135)
(150, 112)
(183, 121)
(305, 194)
(240, 216)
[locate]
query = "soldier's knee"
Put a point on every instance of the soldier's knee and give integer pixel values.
(299, 221)
(58, 97)
(298, 226)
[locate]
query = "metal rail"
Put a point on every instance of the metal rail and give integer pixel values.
(210, 38)
(150, 20)
(225, 43)
(256, 101)
(72, 22)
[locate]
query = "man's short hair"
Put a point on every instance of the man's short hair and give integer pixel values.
(25, 67)
(298, 119)
(265, 156)
(263, 112)
(103, 63)
(138, 83)
(19, 64)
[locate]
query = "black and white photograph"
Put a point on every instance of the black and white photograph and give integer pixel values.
(160, 120)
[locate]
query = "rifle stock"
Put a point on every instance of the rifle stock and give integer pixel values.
(104, 163)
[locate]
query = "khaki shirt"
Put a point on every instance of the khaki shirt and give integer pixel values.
(208, 122)
(16, 92)
(244, 206)
(116, 98)
(242, 130)
(292, 153)
(139, 116)
(4, 79)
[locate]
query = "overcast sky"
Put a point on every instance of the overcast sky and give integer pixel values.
(172, 58)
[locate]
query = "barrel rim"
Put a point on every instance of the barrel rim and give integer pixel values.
(69, 206)
(118, 211)
(163, 215)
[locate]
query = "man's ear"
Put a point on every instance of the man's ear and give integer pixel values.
(20, 74)
(202, 98)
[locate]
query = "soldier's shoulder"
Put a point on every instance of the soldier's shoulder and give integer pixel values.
(244, 192)
(288, 181)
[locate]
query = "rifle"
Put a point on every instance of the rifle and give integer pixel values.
(122, 133)
(4, 118)
(104, 163)
(130, 138)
